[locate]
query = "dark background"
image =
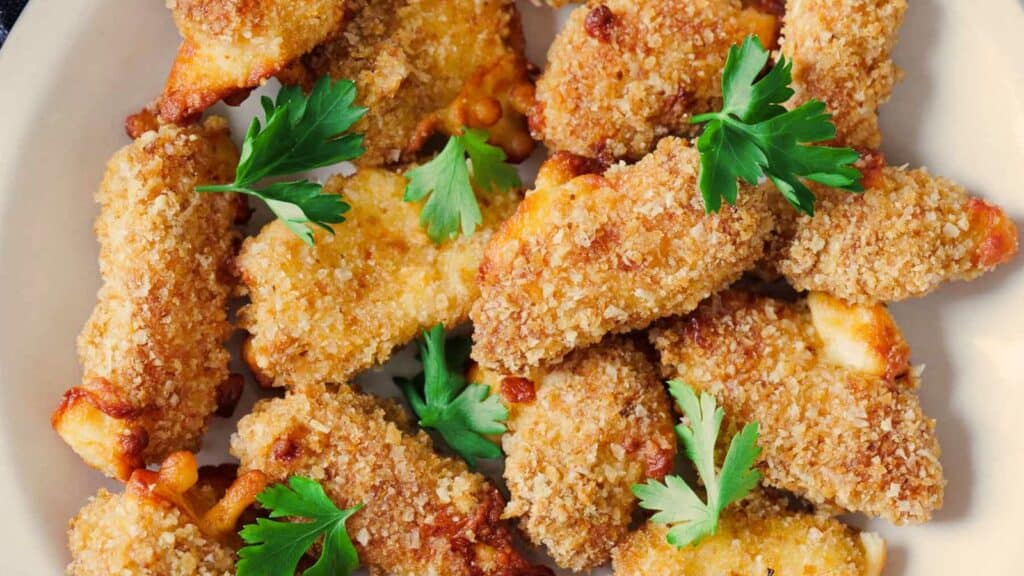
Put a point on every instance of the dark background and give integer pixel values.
(9, 10)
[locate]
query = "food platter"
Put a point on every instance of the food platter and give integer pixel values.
(70, 73)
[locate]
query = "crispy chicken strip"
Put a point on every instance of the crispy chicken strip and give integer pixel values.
(903, 237)
(326, 312)
(597, 254)
(231, 46)
(423, 514)
(623, 73)
(429, 66)
(579, 435)
(841, 54)
(756, 537)
(152, 352)
(832, 389)
(179, 520)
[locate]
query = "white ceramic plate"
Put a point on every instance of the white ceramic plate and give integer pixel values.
(72, 70)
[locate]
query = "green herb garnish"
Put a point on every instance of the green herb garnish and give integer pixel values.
(447, 179)
(442, 399)
(274, 548)
(690, 518)
(753, 136)
(301, 133)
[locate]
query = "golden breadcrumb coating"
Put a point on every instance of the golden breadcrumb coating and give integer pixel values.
(832, 389)
(908, 233)
(597, 254)
(840, 50)
(231, 46)
(756, 538)
(428, 66)
(579, 435)
(623, 73)
(424, 514)
(173, 522)
(152, 352)
(326, 312)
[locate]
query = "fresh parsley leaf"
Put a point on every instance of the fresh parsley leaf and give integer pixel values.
(754, 136)
(301, 133)
(442, 399)
(448, 182)
(274, 548)
(692, 519)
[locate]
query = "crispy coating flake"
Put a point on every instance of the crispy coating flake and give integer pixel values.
(623, 73)
(597, 254)
(832, 389)
(424, 514)
(327, 312)
(908, 233)
(429, 66)
(231, 46)
(840, 51)
(756, 537)
(580, 434)
(175, 521)
(152, 352)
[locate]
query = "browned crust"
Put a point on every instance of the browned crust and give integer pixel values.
(836, 428)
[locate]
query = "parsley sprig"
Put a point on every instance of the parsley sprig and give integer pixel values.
(448, 182)
(301, 133)
(692, 519)
(753, 136)
(442, 399)
(274, 548)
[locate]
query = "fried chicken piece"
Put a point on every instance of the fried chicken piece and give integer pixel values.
(232, 46)
(756, 537)
(597, 254)
(833, 391)
(623, 73)
(179, 520)
(423, 514)
(326, 312)
(152, 352)
(429, 66)
(579, 435)
(841, 54)
(907, 234)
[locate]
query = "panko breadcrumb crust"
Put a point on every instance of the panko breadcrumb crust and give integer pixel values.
(841, 55)
(597, 254)
(832, 389)
(326, 312)
(905, 235)
(152, 352)
(176, 521)
(579, 435)
(424, 514)
(429, 66)
(623, 73)
(757, 537)
(231, 46)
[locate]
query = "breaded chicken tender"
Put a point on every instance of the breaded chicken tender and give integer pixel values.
(597, 254)
(841, 55)
(326, 312)
(424, 514)
(623, 73)
(173, 522)
(152, 352)
(832, 389)
(579, 435)
(756, 537)
(429, 66)
(904, 236)
(231, 46)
